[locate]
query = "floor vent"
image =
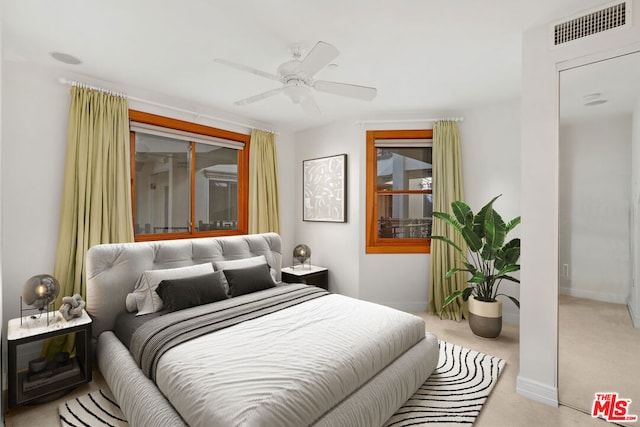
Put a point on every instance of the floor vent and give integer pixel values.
(595, 22)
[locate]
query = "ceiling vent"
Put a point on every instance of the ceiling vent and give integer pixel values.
(614, 16)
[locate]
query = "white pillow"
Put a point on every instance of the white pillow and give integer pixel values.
(242, 263)
(145, 295)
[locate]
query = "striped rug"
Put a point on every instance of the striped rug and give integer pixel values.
(97, 408)
(455, 392)
(452, 396)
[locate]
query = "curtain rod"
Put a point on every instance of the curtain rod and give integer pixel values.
(432, 119)
(197, 115)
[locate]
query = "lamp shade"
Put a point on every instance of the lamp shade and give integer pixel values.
(40, 290)
(301, 253)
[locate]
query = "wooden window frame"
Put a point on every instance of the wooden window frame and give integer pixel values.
(374, 243)
(243, 175)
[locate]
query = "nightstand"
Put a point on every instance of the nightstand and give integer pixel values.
(309, 274)
(55, 379)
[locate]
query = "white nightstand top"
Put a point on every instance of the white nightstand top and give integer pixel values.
(32, 327)
(301, 270)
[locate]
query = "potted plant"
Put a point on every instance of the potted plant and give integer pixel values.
(490, 260)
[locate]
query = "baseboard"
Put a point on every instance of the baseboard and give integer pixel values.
(594, 295)
(635, 315)
(537, 391)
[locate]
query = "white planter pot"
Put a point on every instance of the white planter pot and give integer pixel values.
(485, 318)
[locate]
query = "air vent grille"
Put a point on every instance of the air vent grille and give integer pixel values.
(593, 23)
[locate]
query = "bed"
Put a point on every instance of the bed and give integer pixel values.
(272, 354)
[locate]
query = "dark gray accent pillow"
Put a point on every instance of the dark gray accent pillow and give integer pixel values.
(248, 279)
(178, 294)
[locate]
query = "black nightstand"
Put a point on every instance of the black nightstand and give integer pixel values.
(308, 274)
(55, 379)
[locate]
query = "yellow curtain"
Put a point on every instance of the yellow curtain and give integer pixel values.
(264, 204)
(96, 199)
(447, 187)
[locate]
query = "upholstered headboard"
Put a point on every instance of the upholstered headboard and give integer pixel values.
(114, 269)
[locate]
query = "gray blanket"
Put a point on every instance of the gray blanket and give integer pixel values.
(157, 336)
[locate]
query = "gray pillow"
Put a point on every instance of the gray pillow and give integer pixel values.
(248, 279)
(178, 294)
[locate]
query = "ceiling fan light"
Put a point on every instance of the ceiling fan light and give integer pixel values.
(297, 93)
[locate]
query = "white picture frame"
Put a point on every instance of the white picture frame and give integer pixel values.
(324, 186)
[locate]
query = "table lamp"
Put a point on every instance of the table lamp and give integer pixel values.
(39, 292)
(301, 253)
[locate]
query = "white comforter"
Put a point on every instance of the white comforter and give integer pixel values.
(287, 368)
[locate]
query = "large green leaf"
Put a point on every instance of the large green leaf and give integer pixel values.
(512, 224)
(448, 241)
(511, 254)
(467, 293)
(454, 271)
(478, 220)
(463, 213)
(509, 268)
(508, 254)
(495, 230)
(449, 219)
(510, 278)
(470, 267)
(478, 277)
(488, 252)
(451, 297)
(474, 243)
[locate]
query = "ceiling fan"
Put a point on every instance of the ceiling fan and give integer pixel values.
(297, 79)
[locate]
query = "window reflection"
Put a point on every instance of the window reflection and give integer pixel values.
(162, 185)
(404, 216)
(216, 182)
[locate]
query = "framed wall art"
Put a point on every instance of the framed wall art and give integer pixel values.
(324, 184)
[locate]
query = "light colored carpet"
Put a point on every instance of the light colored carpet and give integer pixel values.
(453, 395)
(599, 351)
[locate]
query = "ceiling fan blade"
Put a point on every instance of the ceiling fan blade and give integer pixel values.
(310, 107)
(248, 69)
(364, 93)
(259, 96)
(319, 57)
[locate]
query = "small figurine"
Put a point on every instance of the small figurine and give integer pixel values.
(72, 307)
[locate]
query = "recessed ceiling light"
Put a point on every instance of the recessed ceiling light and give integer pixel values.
(593, 99)
(333, 65)
(65, 57)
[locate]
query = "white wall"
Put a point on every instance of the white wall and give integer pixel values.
(537, 378)
(333, 245)
(595, 194)
(491, 165)
(2, 385)
(35, 109)
(489, 135)
(634, 295)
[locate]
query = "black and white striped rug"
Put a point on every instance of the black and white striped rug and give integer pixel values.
(453, 395)
(455, 392)
(97, 408)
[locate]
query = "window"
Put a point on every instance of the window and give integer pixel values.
(399, 198)
(188, 180)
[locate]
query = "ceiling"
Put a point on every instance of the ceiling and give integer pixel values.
(421, 55)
